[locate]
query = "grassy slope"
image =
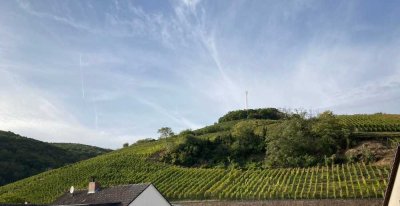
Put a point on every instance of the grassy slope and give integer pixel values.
(22, 157)
(373, 123)
(131, 165)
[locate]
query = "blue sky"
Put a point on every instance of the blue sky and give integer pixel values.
(108, 72)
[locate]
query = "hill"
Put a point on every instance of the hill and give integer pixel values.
(81, 151)
(248, 139)
(22, 157)
(133, 165)
(253, 180)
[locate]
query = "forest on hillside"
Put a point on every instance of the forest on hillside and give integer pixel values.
(22, 157)
(270, 138)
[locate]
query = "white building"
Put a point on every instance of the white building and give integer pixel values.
(392, 194)
(123, 195)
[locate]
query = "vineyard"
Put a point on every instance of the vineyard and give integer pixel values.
(138, 163)
(373, 123)
(177, 183)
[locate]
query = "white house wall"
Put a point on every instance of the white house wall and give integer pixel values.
(395, 195)
(150, 197)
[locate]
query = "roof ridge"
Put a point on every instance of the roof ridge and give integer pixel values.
(147, 183)
(112, 186)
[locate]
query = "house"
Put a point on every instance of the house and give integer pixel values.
(123, 195)
(392, 194)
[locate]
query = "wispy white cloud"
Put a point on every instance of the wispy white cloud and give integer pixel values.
(26, 111)
(343, 74)
(26, 6)
(81, 75)
(185, 123)
(191, 3)
(124, 69)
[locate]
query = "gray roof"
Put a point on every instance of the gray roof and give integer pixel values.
(121, 195)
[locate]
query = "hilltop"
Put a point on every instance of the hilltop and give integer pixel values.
(189, 175)
(265, 138)
(21, 157)
(81, 151)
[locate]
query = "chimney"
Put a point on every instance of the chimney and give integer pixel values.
(93, 186)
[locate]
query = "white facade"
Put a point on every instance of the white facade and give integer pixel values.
(150, 197)
(395, 194)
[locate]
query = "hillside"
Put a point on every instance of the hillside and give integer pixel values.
(245, 178)
(249, 138)
(132, 165)
(81, 151)
(22, 157)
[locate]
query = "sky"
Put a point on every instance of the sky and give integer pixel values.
(108, 72)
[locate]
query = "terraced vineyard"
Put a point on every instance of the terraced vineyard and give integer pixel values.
(373, 123)
(345, 181)
(177, 183)
(138, 163)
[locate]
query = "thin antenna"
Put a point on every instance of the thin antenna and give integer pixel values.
(247, 103)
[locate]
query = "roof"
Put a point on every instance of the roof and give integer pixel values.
(121, 195)
(392, 177)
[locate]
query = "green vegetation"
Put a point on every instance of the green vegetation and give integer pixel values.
(81, 151)
(22, 157)
(378, 122)
(127, 166)
(240, 145)
(267, 113)
(251, 157)
(220, 127)
(295, 142)
(373, 123)
(301, 142)
(165, 132)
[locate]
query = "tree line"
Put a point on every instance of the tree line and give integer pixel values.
(292, 140)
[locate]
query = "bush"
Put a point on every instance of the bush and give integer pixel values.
(145, 140)
(300, 142)
(267, 113)
(244, 144)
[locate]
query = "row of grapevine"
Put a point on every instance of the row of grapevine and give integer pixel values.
(337, 181)
(373, 123)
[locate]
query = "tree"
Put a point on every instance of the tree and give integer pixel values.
(248, 138)
(243, 145)
(189, 152)
(266, 113)
(289, 144)
(165, 132)
(302, 141)
(125, 145)
(332, 133)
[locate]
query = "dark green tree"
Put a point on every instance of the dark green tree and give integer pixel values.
(165, 132)
(247, 139)
(302, 141)
(331, 132)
